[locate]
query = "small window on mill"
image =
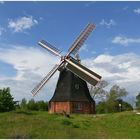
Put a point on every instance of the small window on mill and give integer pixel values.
(78, 106)
(77, 86)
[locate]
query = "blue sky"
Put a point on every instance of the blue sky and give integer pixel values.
(114, 44)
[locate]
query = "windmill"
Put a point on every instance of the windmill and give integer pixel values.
(69, 67)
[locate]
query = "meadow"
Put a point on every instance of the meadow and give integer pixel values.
(41, 124)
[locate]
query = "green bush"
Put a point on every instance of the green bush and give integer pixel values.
(100, 108)
(23, 104)
(138, 101)
(112, 106)
(6, 100)
(42, 106)
(34, 105)
(126, 106)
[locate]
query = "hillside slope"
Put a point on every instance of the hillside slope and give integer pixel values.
(43, 125)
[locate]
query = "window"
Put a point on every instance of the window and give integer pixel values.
(76, 86)
(77, 106)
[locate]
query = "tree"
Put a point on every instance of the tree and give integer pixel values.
(23, 104)
(98, 91)
(6, 100)
(116, 93)
(114, 97)
(138, 101)
(126, 106)
(101, 107)
(106, 107)
(32, 105)
(42, 106)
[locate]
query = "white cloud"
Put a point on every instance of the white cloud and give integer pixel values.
(22, 23)
(123, 70)
(23, 58)
(108, 24)
(88, 4)
(1, 30)
(137, 11)
(84, 48)
(31, 65)
(103, 58)
(1, 2)
(125, 8)
(122, 40)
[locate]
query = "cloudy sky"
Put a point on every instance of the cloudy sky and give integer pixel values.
(112, 50)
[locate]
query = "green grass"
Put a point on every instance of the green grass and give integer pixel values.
(43, 125)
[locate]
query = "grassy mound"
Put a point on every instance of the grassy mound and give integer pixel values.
(25, 124)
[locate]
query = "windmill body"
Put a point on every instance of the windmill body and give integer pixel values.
(71, 93)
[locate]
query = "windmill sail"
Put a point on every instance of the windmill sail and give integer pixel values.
(83, 72)
(68, 62)
(80, 40)
(50, 47)
(45, 80)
